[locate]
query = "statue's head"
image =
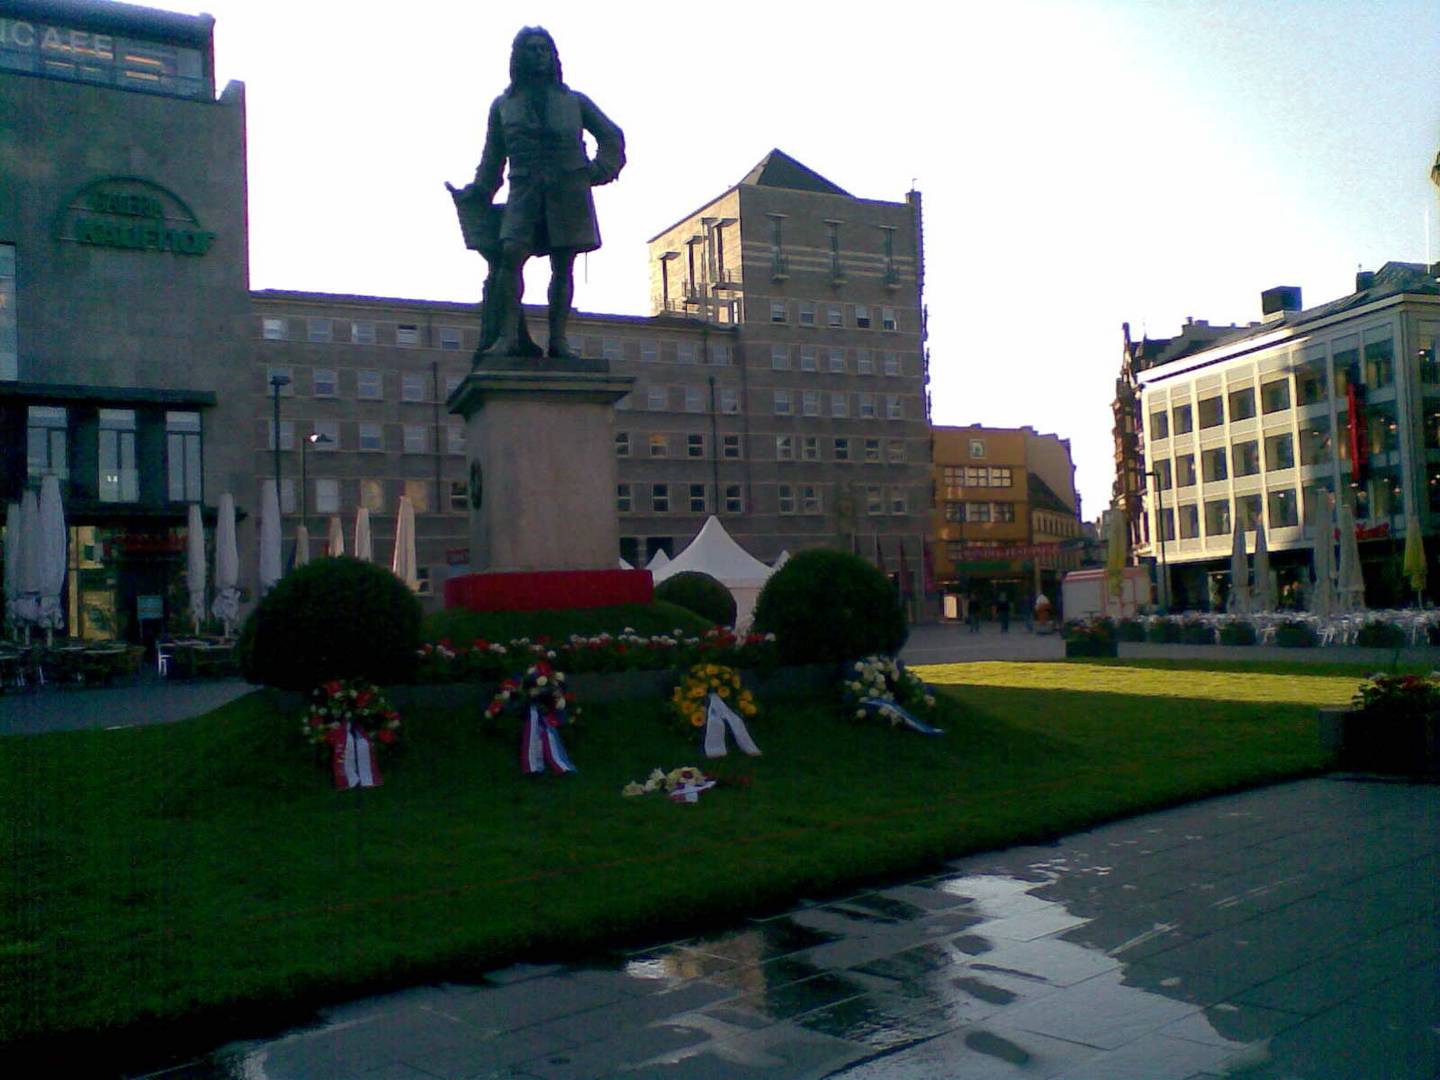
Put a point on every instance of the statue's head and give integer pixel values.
(533, 55)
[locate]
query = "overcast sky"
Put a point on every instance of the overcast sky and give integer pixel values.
(1083, 164)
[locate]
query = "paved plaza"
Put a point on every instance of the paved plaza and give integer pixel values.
(1288, 932)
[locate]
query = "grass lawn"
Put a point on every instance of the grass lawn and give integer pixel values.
(204, 871)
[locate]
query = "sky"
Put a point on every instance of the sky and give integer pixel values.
(1083, 164)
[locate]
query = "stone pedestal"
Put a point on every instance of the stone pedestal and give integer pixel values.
(541, 446)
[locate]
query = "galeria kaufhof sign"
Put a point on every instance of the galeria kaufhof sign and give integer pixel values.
(133, 214)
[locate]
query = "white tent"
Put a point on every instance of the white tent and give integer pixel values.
(780, 560)
(714, 552)
(658, 561)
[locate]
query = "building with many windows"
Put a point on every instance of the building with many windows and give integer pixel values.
(1339, 401)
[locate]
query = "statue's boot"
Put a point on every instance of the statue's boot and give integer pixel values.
(558, 347)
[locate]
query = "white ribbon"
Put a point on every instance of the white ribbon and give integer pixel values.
(358, 760)
(718, 717)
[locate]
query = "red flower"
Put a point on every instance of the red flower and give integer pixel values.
(332, 687)
(364, 697)
(385, 736)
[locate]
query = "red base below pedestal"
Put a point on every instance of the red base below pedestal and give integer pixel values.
(549, 590)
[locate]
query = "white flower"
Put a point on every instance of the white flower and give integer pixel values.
(541, 681)
(860, 714)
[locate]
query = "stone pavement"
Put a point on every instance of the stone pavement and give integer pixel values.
(150, 700)
(1288, 932)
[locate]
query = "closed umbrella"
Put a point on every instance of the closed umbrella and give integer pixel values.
(364, 549)
(302, 545)
(1264, 586)
(195, 565)
(54, 544)
(227, 566)
(13, 527)
(335, 545)
(27, 603)
(1239, 574)
(1351, 582)
(403, 561)
(269, 536)
(1414, 555)
(1322, 596)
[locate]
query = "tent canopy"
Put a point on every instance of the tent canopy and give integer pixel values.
(715, 552)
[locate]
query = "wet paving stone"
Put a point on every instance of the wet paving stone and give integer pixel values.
(762, 941)
(793, 999)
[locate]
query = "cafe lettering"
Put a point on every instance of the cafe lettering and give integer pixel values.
(132, 214)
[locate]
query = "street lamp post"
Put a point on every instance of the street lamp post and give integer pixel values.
(315, 438)
(1160, 531)
(278, 381)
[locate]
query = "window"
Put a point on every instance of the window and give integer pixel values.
(779, 358)
(887, 319)
(1212, 465)
(331, 430)
(369, 385)
(837, 361)
(1382, 428)
(698, 501)
(649, 352)
(610, 349)
(119, 478)
(371, 437)
(955, 511)
(1247, 511)
(891, 363)
(657, 398)
(778, 311)
(1159, 424)
(808, 358)
(372, 495)
(1189, 521)
(694, 399)
(1166, 523)
(894, 407)
(449, 339)
(1345, 362)
(407, 335)
(1310, 382)
(1429, 367)
(899, 501)
(864, 362)
(1163, 476)
(415, 441)
(695, 446)
(455, 438)
(977, 448)
(324, 382)
(660, 498)
(1279, 452)
(810, 448)
(272, 328)
(622, 444)
(659, 445)
(872, 451)
(418, 492)
(1185, 470)
(785, 496)
(182, 456)
(1315, 442)
(729, 400)
(730, 446)
(362, 333)
(874, 500)
(1246, 457)
(1184, 419)
(810, 502)
(1283, 508)
(807, 313)
(1379, 364)
(685, 353)
(327, 496)
(842, 449)
(287, 495)
(623, 501)
(287, 389)
(1242, 403)
(1217, 517)
(412, 386)
(810, 402)
(895, 451)
(720, 354)
(835, 316)
(1212, 413)
(782, 402)
(734, 502)
(452, 383)
(459, 496)
(1003, 512)
(1275, 395)
(46, 442)
(784, 447)
(840, 405)
(287, 434)
(319, 329)
(862, 317)
(867, 406)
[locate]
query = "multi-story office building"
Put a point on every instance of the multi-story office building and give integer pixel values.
(1007, 515)
(1340, 401)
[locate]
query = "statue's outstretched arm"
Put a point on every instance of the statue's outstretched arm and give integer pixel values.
(609, 142)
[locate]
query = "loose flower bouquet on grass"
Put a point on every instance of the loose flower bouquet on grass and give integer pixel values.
(884, 680)
(682, 785)
(690, 701)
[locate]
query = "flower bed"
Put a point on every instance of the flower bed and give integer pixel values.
(1092, 637)
(1392, 726)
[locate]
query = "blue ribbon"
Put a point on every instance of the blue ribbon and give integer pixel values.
(888, 709)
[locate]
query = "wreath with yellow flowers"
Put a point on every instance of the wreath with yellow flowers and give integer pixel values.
(690, 701)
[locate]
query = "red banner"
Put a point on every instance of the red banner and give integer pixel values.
(987, 552)
(549, 590)
(1359, 451)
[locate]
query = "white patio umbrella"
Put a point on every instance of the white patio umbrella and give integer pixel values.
(1264, 592)
(226, 606)
(54, 546)
(1239, 603)
(1350, 583)
(1322, 595)
(13, 527)
(27, 601)
(364, 549)
(403, 561)
(302, 545)
(195, 565)
(270, 571)
(335, 544)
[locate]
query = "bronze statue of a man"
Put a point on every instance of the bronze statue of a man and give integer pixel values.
(536, 126)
